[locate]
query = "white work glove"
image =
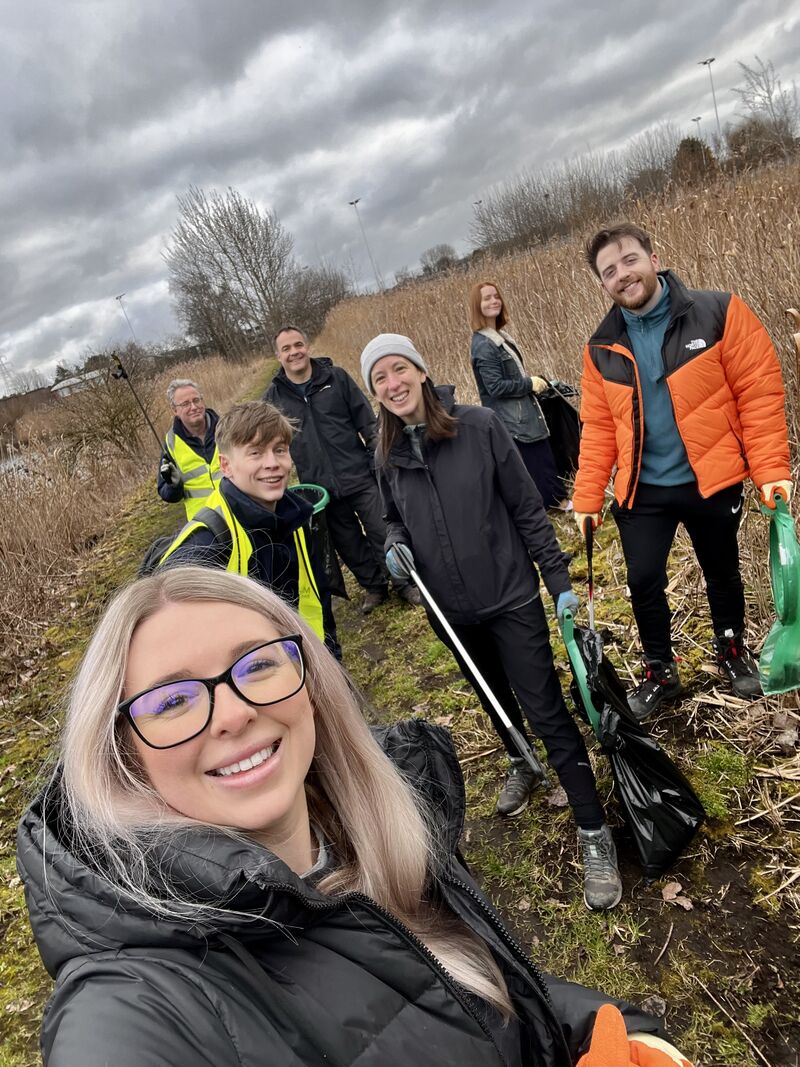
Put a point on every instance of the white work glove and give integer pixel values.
(170, 473)
(768, 490)
(539, 385)
(580, 518)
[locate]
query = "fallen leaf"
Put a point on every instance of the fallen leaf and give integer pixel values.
(443, 720)
(16, 1006)
(684, 903)
(557, 798)
(523, 904)
(655, 1006)
(619, 950)
(670, 891)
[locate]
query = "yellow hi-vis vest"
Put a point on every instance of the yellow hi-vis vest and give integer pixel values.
(199, 479)
(310, 603)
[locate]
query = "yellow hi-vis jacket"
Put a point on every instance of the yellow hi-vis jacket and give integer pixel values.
(198, 478)
(310, 603)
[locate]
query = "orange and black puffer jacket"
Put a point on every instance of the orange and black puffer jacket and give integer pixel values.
(727, 395)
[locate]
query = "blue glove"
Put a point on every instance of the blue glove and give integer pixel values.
(400, 562)
(566, 602)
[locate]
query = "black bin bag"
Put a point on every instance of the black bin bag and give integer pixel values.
(661, 809)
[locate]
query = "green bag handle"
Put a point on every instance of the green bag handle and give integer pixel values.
(324, 495)
(784, 561)
(579, 668)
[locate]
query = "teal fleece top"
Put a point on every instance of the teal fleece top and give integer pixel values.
(664, 459)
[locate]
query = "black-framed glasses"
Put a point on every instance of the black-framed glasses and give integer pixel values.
(173, 713)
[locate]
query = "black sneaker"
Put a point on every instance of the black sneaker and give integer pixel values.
(602, 885)
(374, 599)
(737, 663)
(660, 682)
(520, 783)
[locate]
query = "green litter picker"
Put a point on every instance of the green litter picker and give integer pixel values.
(779, 663)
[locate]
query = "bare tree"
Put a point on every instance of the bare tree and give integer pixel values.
(230, 255)
(437, 258)
(771, 113)
(25, 381)
(313, 291)
(694, 163)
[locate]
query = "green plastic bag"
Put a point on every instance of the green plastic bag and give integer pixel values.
(779, 663)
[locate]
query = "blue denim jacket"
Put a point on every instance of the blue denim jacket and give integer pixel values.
(504, 389)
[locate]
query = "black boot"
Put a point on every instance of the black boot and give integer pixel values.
(737, 663)
(660, 682)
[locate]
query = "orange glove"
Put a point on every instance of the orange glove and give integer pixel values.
(769, 489)
(612, 1047)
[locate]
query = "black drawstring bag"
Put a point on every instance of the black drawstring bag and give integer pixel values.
(661, 809)
(564, 426)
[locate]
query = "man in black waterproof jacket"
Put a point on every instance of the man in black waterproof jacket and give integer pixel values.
(334, 448)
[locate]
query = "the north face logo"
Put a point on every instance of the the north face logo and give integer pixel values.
(694, 345)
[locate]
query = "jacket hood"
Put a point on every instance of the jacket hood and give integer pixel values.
(320, 372)
(75, 909)
(291, 511)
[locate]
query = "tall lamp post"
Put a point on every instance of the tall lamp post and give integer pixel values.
(379, 281)
(125, 313)
(696, 120)
(707, 63)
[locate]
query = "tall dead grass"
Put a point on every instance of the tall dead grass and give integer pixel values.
(55, 502)
(740, 235)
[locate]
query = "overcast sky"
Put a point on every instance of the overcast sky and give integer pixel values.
(110, 109)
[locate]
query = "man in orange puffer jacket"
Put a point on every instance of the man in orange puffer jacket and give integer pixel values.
(682, 394)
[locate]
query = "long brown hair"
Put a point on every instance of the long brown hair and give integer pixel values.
(477, 320)
(439, 425)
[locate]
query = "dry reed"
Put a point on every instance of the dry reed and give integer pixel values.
(54, 504)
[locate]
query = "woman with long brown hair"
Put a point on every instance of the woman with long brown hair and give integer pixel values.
(505, 386)
(458, 498)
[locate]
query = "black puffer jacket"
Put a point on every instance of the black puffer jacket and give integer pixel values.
(472, 516)
(336, 440)
(345, 984)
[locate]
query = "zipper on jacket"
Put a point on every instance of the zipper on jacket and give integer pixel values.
(422, 949)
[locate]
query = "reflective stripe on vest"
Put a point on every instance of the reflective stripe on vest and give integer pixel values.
(199, 479)
(309, 602)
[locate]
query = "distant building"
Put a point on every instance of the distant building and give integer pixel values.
(68, 386)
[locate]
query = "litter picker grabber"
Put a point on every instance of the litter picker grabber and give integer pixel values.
(524, 749)
(120, 372)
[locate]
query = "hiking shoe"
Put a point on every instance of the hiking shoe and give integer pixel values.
(736, 662)
(410, 594)
(660, 682)
(520, 783)
(602, 885)
(373, 600)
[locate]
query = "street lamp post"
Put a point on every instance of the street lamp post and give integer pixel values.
(696, 120)
(125, 313)
(707, 63)
(379, 281)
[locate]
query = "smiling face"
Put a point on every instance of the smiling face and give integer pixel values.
(628, 273)
(260, 470)
(491, 304)
(204, 779)
(291, 348)
(397, 383)
(188, 405)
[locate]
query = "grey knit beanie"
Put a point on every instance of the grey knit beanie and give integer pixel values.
(388, 344)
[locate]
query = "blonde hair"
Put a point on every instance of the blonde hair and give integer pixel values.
(371, 816)
(254, 422)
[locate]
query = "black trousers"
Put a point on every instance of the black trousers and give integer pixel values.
(512, 651)
(541, 465)
(358, 532)
(647, 531)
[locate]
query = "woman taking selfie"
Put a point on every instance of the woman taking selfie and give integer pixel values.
(227, 867)
(506, 388)
(459, 501)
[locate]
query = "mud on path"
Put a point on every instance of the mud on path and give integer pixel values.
(717, 954)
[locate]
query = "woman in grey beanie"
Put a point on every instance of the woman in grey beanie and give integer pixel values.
(471, 523)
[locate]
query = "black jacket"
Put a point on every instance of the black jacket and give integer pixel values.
(506, 390)
(274, 559)
(335, 443)
(473, 518)
(205, 448)
(339, 982)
